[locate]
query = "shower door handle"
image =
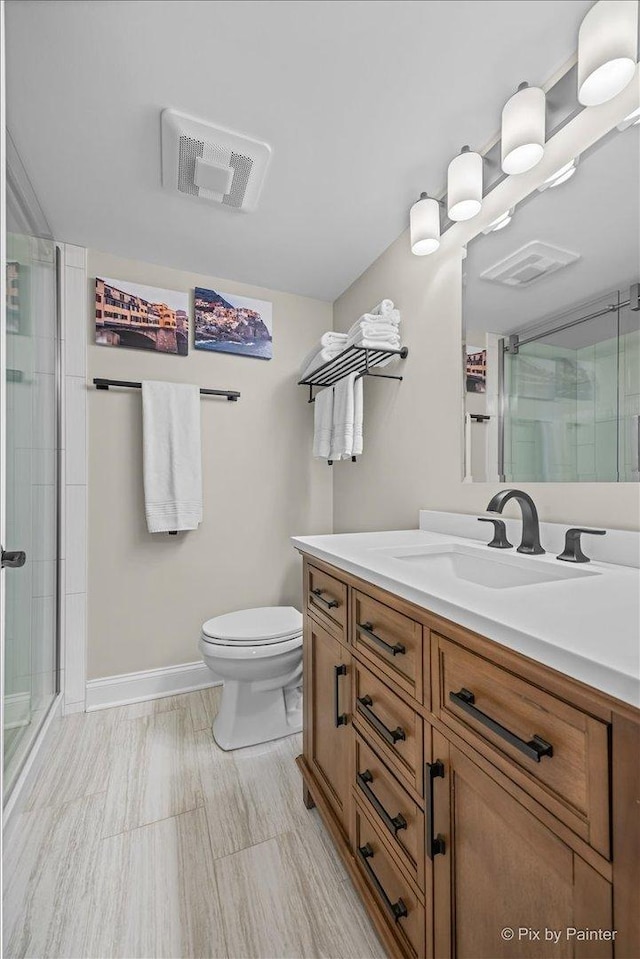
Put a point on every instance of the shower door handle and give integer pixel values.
(13, 558)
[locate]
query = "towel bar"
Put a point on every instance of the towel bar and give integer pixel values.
(355, 359)
(102, 384)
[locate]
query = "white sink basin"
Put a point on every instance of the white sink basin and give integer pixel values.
(482, 566)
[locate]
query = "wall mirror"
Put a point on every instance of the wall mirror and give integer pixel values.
(551, 328)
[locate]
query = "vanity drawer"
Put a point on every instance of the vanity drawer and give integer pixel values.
(563, 752)
(327, 596)
(395, 729)
(397, 816)
(396, 896)
(391, 640)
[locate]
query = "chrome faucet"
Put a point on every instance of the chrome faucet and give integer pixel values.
(530, 524)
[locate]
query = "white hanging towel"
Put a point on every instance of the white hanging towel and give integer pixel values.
(343, 417)
(323, 423)
(172, 456)
(358, 410)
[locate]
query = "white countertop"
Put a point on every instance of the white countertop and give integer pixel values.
(587, 627)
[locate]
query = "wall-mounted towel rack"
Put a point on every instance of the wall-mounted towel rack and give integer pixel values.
(479, 417)
(102, 384)
(355, 359)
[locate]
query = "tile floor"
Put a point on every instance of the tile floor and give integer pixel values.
(141, 838)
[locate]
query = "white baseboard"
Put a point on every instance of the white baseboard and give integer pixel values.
(17, 710)
(149, 684)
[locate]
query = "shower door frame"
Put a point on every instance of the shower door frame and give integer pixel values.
(14, 180)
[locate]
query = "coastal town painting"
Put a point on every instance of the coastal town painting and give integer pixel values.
(141, 317)
(233, 324)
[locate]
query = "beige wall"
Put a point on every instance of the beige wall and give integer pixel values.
(149, 594)
(413, 430)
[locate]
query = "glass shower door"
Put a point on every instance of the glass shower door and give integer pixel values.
(30, 479)
(570, 400)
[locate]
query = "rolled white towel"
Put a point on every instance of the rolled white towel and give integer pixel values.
(322, 356)
(383, 308)
(333, 339)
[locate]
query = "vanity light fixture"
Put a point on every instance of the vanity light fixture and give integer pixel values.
(523, 129)
(424, 225)
(499, 224)
(607, 50)
(631, 121)
(464, 185)
(560, 176)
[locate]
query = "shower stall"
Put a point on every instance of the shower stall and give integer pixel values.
(569, 396)
(31, 462)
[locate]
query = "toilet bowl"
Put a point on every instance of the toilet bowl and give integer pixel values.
(258, 655)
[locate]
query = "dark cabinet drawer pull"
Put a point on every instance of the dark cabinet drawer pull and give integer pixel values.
(535, 749)
(329, 603)
(364, 704)
(338, 671)
(435, 844)
(393, 823)
(367, 628)
(397, 909)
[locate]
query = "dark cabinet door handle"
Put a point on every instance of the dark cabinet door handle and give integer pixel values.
(329, 603)
(535, 749)
(364, 704)
(397, 909)
(338, 671)
(367, 628)
(393, 823)
(12, 559)
(435, 844)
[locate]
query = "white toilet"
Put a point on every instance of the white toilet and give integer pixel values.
(258, 655)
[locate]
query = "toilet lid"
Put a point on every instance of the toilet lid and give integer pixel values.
(265, 624)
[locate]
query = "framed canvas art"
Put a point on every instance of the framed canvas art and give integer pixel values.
(141, 317)
(228, 323)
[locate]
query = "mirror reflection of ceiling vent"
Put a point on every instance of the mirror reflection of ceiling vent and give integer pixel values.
(530, 263)
(209, 162)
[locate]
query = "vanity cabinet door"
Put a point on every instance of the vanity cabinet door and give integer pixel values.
(505, 886)
(328, 732)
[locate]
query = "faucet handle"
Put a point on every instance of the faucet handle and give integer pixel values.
(499, 540)
(572, 552)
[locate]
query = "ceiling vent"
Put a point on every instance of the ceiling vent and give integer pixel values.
(529, 263)
(211, 163)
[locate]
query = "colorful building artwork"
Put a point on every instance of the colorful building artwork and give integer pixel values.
(141, 317)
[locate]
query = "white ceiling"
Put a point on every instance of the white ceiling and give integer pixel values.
(363, 102)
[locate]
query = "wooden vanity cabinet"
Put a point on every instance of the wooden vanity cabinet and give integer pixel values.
(468, 789)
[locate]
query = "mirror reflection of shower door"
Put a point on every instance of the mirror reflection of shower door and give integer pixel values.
(30, 480)
(571, 399)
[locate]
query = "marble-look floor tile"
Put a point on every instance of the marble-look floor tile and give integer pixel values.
(156, 894)
(49, 862)
(250, 794)
(203, 705)
(154, 773)
(281, 899)
(79, 763)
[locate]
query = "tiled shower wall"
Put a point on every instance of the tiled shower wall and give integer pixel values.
(74, 501)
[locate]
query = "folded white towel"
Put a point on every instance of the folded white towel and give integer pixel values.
(388, 341)
(370, 321)
(323, 423)
(343, 414)
(383, 308)
(358, 410)
(378, 331)
(333, 339)
(172, 456)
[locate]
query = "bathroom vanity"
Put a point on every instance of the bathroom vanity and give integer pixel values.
(472, 742)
